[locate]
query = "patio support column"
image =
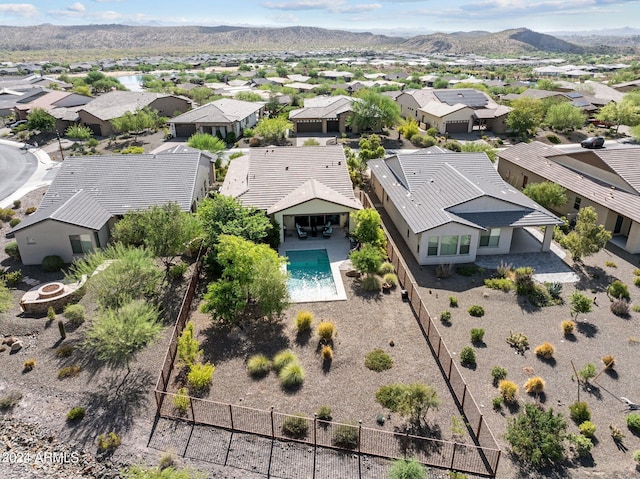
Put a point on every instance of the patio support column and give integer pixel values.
(548, 236)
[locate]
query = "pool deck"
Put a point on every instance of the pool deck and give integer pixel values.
(338, 251)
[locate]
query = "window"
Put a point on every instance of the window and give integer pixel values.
(465, 243)
(576, 203)
(525, 180)
(432, 249)
(448, 245)
(81, 244)
(490, 238)
(96, 238)
(31, 240)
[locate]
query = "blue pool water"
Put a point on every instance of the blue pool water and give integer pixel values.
(310, 277)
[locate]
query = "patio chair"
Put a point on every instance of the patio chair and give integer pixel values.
(327, 230)
(301, 233)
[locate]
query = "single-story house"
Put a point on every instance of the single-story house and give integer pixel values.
(49, 101)
(90, 193)
(99, 112)
(323, 114)
(608, 180)
(451, 207)
(222, 116)
(303, 186)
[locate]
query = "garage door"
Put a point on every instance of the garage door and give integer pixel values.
(185, 130)
(309, 127)
(333, 126)
(457, 126)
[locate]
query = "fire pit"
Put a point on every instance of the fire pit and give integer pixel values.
(50, 290)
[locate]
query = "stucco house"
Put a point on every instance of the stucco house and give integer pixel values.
(49, 101)
(90, 193)
(608, 180)
(323, 114)
(457, 110)
(306, 186)
(98, 113)
(451, 207)
(222, 117)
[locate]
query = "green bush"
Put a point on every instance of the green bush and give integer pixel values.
(468, 356)
(12, 250)
(453, 146)
(476, 311)
(65, 351)
(326, 330)
(580, 303)
(371, 283)
(618, 290)
(69, 371)
(503, 284)
(17, 204)
(75, 313)
(292, 375)
(303, 321)
(633, 422)
(132, 150)
(539, 296)
(453, 302)
(423, 141)
(568, 326)
(554, 289)
(108, 442)
(52, 264)
(391, 279)
(498, 373)
(181, 401)
(377, 360)
(518, 341)
(177, 271)
(468, 270)
(30, 210)
(296, 426)
(524, 279)
(14, 222)
(258, 366)
(324, 413)
(445, 317)
(200, 375)
(14, 278)
(545, 350)
(534, 385)
(407, 469)
(508, 391)
(477, 335)
(636, 456)
(579, 412)
(345, 436)
(587, 429)
(553, 139)
(386, 268)
(6, 214)
(282, 358)
(75, 414)
(636, 281)
(582, 444)
(588, 372)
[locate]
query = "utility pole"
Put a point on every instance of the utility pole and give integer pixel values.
(60, 145)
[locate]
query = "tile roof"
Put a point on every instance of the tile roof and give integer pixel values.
(323, 107)
(539, 158)
(274, 179)
(114, 104)
(224, 110)
(427, 185)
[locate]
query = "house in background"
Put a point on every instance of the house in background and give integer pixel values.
(90, 193)
(323, 114)
(608, 180)
(98, 113)
(451, 207)
(50, 100)
(221, 117)
(306, 186)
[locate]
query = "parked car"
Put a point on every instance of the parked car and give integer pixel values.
(17, 123)
(593, 142)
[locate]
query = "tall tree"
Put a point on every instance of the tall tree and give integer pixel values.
(564, 117)
(273, 130)
(526, 115)
(625, 112)
(588, 237)
(39, 119)
(373, 111)
(409, 400)
(547, 194)
(369, 228)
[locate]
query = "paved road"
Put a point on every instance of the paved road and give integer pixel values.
(16, 167)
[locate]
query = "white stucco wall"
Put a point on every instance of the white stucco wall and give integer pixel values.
(439, 123)
(450, 229)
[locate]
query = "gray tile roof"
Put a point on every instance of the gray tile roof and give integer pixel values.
(323, 107)
(274, 179)
(88, 190)
(538, 158)
(114, 104)
(427, 185)
(224, 110)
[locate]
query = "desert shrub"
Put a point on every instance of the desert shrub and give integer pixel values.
(468, 356)
(477, 335)
(30, 210)
(386, 268)
(177, 271)
(391, 279)
(498, 373)
(132, 150)
(326, 330)
(497, 402)
(545, 350)
(524, 279)
(200, 375)
(445, 316)
(296, 426)
(324, 413)
(108, 442)
(636, 281)
(453, 301)
(568, 327)
(75, 313)
(64, 351)
(539, 296)
(503, 284)
(10, 401)
(326, 352)
(181, 401)
(14, 222)
(469, 270)
(636, 308)
(303, 321)
(534, 385)
(609, 361)
(407, 469)
(12, 250)
(282, 358)
(616, 433)
(588, 372)
(423, 141)
(29, 364)
(453, 146)
(258, 365)
(580, 303)
(554, 289)
(508, 390)
(444, 270)
(610, 264)
(579, 412)
(503, 269)
(618, 290)
(476, 311)
(76, 413)
(582, 444)
(553, 139)
(291, 375)
(51, 313)
(69, 372)
(6, 214)
(518, 341)
(636, 456)
(52, 263)
(311, 142)
(377, 360)
(633, 422)
(587, 429)
(17, 204)
(620, 307)
(345, 436)
(14, 278)
(371, 283)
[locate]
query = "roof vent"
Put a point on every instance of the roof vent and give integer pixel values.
(286, 168)
(339, 163)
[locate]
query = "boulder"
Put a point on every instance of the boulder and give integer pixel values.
(17, 346)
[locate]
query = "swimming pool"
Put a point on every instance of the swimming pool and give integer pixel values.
(310, 277)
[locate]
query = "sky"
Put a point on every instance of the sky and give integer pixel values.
(399, 17)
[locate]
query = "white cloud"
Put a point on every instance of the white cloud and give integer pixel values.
(331, 6)
(76, 7)
(19, 9)
(286, 18)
